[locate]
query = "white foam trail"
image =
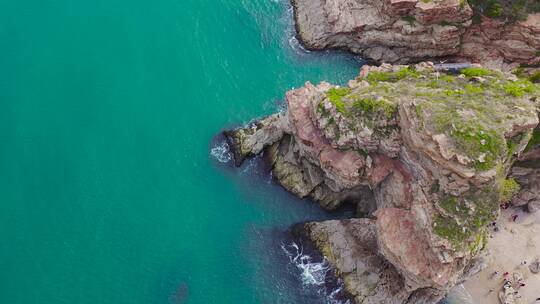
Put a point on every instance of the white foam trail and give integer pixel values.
(313, 274)
(295, 44)
(221, 152)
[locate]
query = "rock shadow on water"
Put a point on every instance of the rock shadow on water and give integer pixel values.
(256, 173)
(293, 271)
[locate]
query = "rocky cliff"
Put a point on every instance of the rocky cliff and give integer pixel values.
(423, 154)
(398, 31)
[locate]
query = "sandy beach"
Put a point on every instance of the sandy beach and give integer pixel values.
(512, 249)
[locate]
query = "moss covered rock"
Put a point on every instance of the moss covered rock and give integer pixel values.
(434, 147)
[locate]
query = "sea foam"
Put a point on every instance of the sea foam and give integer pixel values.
(313, 273)
(221, 152)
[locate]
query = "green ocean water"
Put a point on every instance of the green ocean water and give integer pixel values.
(108, 112)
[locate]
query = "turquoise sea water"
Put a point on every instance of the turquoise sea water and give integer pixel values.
(108, 111)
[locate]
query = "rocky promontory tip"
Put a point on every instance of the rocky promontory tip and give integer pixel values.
(423, 154)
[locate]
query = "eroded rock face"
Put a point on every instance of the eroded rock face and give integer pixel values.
(433, 148)
(351, 247)
(529, 194)
(503, 46)
(387, 31)
(399, 31)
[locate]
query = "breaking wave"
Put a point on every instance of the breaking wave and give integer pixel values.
(221, 152)
(313, 274)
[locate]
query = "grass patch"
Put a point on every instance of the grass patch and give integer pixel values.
(371, 104)
(335, 96)
(475, 72)
(508, 188)
(374, 76)
(447, 78)
(451, 230)
(483, 145)
(455, 92)
(519, 88)
(472, 89)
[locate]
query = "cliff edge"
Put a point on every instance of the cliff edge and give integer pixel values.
(424, 156)
(501, 36)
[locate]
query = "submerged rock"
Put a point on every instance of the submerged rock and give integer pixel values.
(423, 153)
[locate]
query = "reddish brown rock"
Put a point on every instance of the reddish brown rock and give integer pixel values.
(399, 31)
(431, 12)
(400, 7)
(389, 148)
(404, 244)
(385, 31)
(505, 46)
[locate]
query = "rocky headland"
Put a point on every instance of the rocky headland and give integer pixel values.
(498, 34)
(423, 154)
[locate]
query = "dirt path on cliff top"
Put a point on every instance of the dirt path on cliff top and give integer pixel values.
(513, 248)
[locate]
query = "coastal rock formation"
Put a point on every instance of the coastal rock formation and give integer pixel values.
(505, 46)
(529, 194)
(399, 31)
(422, 153)
(388, 30)
(527, 174)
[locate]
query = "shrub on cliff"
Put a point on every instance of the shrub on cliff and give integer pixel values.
(511, 10)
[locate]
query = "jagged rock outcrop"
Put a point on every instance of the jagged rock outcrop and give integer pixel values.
(399, 31)
(433, 150)
(527, 174)
(388, 30)
(529, 194)
(503, 46)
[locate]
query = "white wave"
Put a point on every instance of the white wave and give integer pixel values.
(296, 46)
(312, 273)
(331, 299)
(221, 152)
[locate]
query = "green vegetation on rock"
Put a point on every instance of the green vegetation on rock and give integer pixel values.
(409, 19)
(474, 71)
(510, 10)
(466, 216)
(374, 77)
(451, 230)
(534, 141)
(508, 188)
(519, 88)
(335, 96)
(370, 104)
(483, 144)
(474, 110)
(470, 113)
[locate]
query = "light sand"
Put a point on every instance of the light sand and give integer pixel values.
(514, 243)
